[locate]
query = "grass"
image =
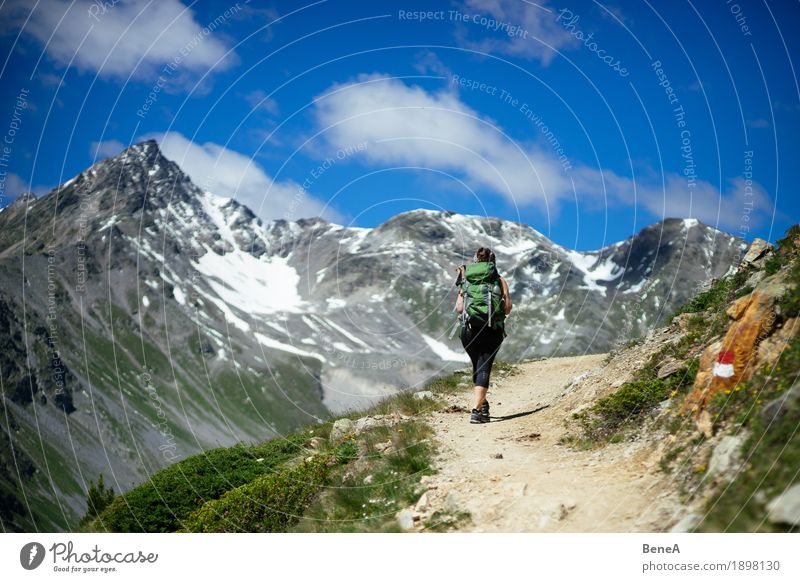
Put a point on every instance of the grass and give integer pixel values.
(365, 495)
(626, 408)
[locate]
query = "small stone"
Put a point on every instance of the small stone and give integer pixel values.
(687, 524)
(381, 447)
(316, 442)
(423, 394)
(405, 519)
(724, 455)
(497, 456)
(260, 460)
(369, 479)
(785, 508)
(705, 425)
(422, 503)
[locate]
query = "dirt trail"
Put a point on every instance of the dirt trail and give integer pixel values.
(539, 485)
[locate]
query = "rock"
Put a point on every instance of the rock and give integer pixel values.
(423, 394)
(687, 523)
(774, 410)
(260, 460)
(770, 349)
(450, 503)
(369, 479)
(497, 455)
(757, 253)
(367, 423)
(682, 321)
(753, 320)
(725, 455)
(341, 428)
(405, 519)
(422, 503)
(316, 442)
(785, 508)
(705, 424)
(381, 447)
(754, 279)
(668, 367)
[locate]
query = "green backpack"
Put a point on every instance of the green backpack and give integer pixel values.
(483, 297)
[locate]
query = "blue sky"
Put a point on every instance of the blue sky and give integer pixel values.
(585, 120)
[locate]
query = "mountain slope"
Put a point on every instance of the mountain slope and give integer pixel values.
(144, 319)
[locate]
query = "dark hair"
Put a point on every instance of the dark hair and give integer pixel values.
(483, 255)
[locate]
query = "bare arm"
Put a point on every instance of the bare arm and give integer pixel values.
(460, 303)
(506, 296)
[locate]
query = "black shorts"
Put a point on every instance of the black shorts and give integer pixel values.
(482, 344)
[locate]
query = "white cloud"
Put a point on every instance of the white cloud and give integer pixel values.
(233, 175)
(105, 149)
(137, 37)
(524, 29)
(404, 124)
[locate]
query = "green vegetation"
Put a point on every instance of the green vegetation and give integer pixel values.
(163, 503)
(303, 482)
(627, 407)
(365, 495)
(271, 503)
(768, 406)
(97, 499)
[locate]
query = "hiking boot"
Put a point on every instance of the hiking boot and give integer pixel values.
(477, 417)
(485, 408)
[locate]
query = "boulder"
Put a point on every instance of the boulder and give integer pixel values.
(757, 254)
(668, 368)
(785, 508)
(341, 428)
(770, 349)
(451, 503)
(736, 359)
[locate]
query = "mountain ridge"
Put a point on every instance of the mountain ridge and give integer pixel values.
(130, 296)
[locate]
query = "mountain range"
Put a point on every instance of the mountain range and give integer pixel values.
(143, 319)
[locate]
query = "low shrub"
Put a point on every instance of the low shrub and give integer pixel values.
(271, 503)
(164, 502)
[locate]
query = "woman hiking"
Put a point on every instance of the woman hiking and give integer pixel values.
(483, 302)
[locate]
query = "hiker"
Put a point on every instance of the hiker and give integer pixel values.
(488, 302)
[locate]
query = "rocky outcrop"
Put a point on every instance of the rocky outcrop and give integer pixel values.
(754, 338)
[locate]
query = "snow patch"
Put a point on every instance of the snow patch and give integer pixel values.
(268, 342)
(256, 286)
(444, 351)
